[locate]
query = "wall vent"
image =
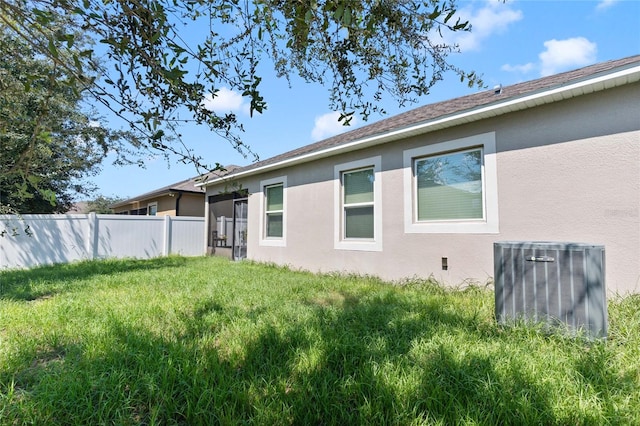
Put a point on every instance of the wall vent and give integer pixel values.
(556, 283)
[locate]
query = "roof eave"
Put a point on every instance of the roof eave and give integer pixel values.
(530, 100)
(149, 196)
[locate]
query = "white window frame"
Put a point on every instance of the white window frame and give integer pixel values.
(273, 241)
(490, 223)
(341, 243)
(154, 204)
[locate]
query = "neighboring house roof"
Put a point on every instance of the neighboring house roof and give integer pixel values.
(79, 207)
(465, 109)
(188, 185)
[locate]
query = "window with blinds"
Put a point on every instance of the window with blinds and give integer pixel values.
(449, 186)
(358, 203)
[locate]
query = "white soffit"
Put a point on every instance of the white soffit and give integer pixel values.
(531, 100)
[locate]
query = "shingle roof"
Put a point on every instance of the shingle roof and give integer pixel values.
(446, 108)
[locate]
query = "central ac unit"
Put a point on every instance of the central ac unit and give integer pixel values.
(553, 283)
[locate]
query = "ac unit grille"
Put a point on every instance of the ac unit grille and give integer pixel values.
(553, 283)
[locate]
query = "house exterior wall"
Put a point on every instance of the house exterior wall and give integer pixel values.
(123, 209)
(190, 205)
(166, 205)
(568, 171)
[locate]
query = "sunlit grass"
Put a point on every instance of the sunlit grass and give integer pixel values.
(207, 341)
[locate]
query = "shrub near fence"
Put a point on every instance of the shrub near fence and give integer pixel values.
(65, 238)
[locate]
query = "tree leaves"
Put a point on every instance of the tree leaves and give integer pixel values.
(163, 57)
(49, 144)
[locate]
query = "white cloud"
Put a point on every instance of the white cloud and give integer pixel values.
(558, 56)
(226, 101)
(606, 4)
(525, 68)
(327, 125)
(492, 18)
(561, 55)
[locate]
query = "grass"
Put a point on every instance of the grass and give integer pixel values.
(207, 341)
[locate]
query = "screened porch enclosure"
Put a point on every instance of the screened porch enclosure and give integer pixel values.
(227, 231)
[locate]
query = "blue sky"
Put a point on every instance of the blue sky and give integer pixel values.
(510, 42)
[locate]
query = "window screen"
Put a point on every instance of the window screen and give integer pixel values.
(274, 210)
(358, 203)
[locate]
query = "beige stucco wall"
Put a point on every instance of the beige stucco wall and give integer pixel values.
(166, 205)
(566, 172)
(122, 209)
(190, 205)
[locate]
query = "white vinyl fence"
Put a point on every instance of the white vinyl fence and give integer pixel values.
(64, 238)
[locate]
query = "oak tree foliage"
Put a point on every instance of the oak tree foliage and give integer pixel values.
(49, 142)
(101, 204)
(155, 61)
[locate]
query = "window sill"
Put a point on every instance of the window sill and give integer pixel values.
(358, 245)
(452, 228)
(279, 242)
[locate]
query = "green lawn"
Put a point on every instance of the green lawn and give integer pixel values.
(206, 341)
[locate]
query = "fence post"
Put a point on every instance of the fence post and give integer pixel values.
(92, 237)
(166, 248)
